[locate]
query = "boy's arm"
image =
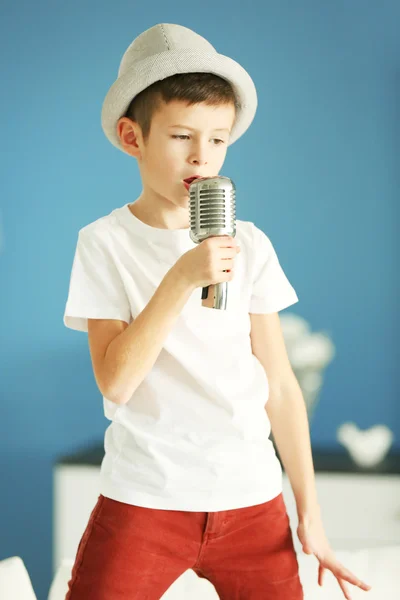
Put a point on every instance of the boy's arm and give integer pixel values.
(120, 365)
(286, 410)
(288, 416)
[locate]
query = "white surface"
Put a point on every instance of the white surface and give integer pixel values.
(358, 510)
(75, 492)
(377, 566)
(361, 512)
(187, 587)
(15, 583)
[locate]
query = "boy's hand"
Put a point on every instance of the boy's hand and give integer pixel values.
(311, 534)
(211, 262)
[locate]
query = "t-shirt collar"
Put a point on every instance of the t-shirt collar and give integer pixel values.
(172, 238)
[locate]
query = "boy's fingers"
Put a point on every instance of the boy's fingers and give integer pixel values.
(343, 573)
(344, 589)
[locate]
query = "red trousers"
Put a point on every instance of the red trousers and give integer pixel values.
(134, 553)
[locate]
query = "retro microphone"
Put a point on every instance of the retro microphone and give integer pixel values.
(212, 213)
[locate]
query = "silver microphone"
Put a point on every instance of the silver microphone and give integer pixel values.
(212, 213)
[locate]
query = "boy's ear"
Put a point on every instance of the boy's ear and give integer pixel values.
(128, 132)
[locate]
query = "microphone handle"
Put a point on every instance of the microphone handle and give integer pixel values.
(215, 296)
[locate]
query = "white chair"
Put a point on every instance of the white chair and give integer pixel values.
(15, 583)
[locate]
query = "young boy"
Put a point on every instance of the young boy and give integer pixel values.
(190, 478)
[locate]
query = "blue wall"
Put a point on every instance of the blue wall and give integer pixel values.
(318, 171)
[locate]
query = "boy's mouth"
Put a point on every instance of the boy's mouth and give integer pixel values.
(190, 179)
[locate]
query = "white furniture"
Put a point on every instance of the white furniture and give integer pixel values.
(360, 509)
(378, 566)
(15, 583)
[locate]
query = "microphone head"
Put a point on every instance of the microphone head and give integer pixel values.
(212, 208)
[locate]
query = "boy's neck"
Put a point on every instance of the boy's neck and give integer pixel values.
(142, 210)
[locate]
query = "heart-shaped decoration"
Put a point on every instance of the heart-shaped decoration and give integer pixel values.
(367, 447)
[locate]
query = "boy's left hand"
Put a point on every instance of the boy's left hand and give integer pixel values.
(312, 536)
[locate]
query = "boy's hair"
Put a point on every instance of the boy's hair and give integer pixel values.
(191, 88)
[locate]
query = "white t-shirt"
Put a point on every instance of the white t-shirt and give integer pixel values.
(194, 436)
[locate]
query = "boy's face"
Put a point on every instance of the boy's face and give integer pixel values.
(183, 141)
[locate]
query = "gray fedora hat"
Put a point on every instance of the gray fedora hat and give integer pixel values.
(164, 50)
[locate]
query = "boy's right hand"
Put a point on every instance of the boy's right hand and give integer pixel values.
(211, 262)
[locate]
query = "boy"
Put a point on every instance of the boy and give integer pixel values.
(190, 479)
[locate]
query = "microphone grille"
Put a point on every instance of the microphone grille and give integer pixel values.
(212, 207)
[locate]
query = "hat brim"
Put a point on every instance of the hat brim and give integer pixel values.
(171, 62)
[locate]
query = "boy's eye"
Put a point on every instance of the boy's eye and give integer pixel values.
(182, 136)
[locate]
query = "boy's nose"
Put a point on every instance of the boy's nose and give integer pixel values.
(198, 160)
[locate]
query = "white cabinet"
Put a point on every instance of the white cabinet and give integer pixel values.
(359, 509)
(75, 492)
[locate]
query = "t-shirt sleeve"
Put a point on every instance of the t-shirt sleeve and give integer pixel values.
(271, 289)
(96, 290)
